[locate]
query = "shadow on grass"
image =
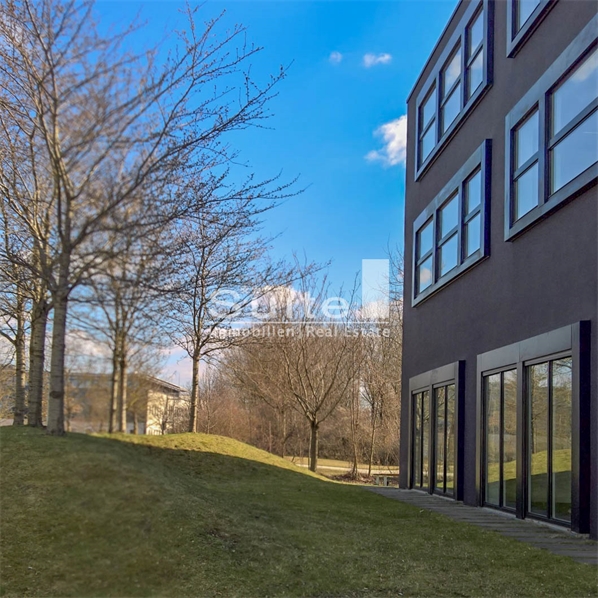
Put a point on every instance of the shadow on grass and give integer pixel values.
(198, 515)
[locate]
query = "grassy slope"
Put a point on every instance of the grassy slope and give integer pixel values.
(194, 515)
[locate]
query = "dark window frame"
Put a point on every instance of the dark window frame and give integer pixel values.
(516, 38)
(574, 341)
(480, 160)
(453, 373)
(458, 39)
(540, 97)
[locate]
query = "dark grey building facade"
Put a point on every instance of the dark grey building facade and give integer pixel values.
(500, 377)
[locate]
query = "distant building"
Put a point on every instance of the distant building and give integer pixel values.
(154, 406)
(500, 372)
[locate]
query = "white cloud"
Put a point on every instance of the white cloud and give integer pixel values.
(394, 135)
(335, 57)
(370, 60)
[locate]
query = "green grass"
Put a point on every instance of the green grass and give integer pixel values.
(332, 465)
(196, 515)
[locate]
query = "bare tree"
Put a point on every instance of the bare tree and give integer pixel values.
(312, 364)
(111, 127)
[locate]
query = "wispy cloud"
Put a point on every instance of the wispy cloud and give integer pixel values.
(335, 57)
(370, 60)
(394, 135)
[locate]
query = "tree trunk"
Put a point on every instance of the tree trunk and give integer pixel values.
(313, 445)
(194, 395)
(19, 413)
(135, 423)
(56, 399)
(121, 404)
(37, 360)
(113, 391)
(371, 451)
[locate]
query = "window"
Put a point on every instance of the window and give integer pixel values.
(450, 234)
(574, 125)
(523, 17)
(549, 438)
(427, 122)
(421, 440)
(444, 439)
(500, 438)
(552, 154)
(462, 75)
(533, 401)
(434, 416)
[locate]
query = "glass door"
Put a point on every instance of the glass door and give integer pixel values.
(420, 477)
(549, 404)
(500, 439)
(444, 439)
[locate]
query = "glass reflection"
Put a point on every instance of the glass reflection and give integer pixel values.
(579, 90)
(425, 439)
(492, 468)
(538, 439)
(509, 435)
(440, 435)
(575, 153)
(526, 192)
(561, 438)
(450, 438)
(449, 255)
(527, 139)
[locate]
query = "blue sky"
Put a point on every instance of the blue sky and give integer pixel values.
(327, 112)
(353, 65)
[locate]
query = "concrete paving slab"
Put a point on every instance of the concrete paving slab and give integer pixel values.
(559, 541)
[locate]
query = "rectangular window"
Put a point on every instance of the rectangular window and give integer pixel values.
(444, 438)
(552, 155)
(500, 468)
(427, 125)
(450, 235)
(462, 74)
(549, 452)
(532, 427)
(523, 17)
(573, 144)
(475, 54)
(421, 440)
(434, 417)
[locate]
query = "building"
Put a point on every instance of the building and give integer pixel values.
(154, 406)
(501, 303)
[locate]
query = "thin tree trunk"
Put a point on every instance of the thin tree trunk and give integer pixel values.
(37, 359)
(113, 391)
(122, 393)
(56, 399)
(19, 413)
(135, 423)
(371, 451)
(194, 395)
(313, 445)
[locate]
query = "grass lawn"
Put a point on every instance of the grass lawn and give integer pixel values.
(196, 515)
(334, 464)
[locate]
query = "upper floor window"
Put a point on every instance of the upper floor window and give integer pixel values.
(450, 235)
(456, 83)
(553, 131)
(523, 16)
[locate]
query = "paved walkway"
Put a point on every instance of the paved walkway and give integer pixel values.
(549, 537)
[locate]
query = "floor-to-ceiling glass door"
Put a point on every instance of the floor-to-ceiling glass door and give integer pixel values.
(500, 439)
(421, 441)
(549, 397)
(545, 443)
(433, 434)
(444, 439)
